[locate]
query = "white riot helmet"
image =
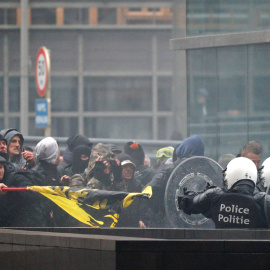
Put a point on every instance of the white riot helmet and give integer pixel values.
(265, 173)
(240, 168)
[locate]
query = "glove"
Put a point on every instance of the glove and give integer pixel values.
(99, 173)
(179, 201)
(184, 203)
(117, 171)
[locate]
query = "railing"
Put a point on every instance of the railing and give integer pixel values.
(150, 147)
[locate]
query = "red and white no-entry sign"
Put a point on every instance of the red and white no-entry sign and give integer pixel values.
(43, 69)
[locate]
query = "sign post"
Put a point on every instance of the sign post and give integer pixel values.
(43, 84)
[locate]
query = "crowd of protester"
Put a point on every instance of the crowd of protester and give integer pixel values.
(107, 167)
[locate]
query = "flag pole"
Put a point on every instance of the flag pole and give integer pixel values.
(14, 189)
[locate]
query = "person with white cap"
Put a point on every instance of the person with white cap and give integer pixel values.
(47, 157)
(136, 214)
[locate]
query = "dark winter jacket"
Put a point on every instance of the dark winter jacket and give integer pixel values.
(26, 208)
(137, 211)
(144, 174)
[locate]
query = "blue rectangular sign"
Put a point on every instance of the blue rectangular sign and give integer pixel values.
(42, 119)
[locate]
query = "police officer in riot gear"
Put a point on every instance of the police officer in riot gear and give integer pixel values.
(234, 206)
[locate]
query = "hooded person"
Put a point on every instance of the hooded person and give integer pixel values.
(9, 167)
(144, 173)
(81, 155)
(15, 142)
(128, 168)
(136, 152)
(102, 170)
(164, 157)
(136, 214)
(73, 142)
(47, 156)
(31, 209)
(189, 147)
(80, 160)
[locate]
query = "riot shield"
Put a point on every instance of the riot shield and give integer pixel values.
(192, 174)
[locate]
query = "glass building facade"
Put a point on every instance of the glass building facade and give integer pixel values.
(226, 49)
(111, 67)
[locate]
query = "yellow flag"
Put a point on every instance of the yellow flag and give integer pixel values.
(96, 208)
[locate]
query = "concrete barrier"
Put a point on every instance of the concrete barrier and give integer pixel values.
(87, 248)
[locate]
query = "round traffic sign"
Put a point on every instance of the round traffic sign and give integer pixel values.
(42, 71)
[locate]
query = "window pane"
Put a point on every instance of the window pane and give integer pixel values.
(259, 96)
(64, 127)
(1, 95)
(122, 127)
(165, 130)
(114, 51)
(14, 94)
(216, 16)
(43, 15)
(13, 51)
(2, 52)
(75, 16)
(232, 74)
(107, 16)
(14, 122)
(202, 97)
(33, 94)
(62, 45)
(64, 94)
(164, 94)
(33, 131)
(118, 94)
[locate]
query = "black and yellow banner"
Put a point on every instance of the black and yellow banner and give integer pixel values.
(96, 208)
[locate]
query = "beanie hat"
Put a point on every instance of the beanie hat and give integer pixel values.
(113, 148)
(136, 152)
(78, 139)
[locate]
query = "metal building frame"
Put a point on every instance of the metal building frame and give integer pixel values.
(25, 30)
(181, 43)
